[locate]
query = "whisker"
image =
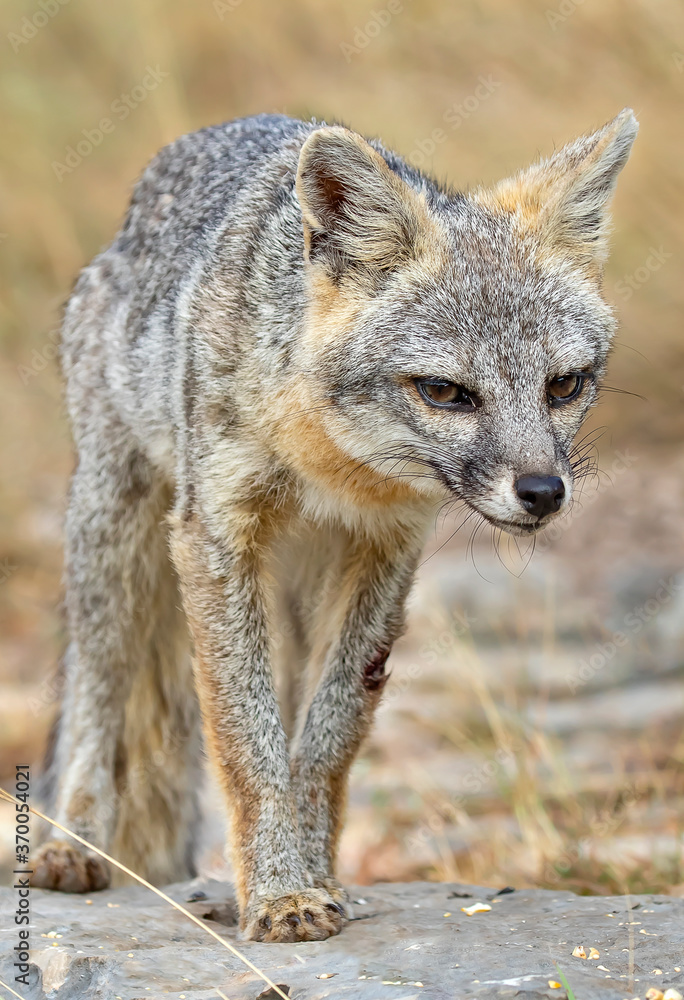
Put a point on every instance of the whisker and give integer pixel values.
(470, 550)
(628, 347)
(447, 540)
(623, 392)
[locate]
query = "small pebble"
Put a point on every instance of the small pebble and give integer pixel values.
(196, 896)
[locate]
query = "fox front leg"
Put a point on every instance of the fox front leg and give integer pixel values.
(222, 596)
(373, 588)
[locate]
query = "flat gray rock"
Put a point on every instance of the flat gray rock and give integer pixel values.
(405, 942)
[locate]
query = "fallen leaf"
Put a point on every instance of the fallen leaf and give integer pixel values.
(475, 908)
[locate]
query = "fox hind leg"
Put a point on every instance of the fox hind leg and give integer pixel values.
(117, 574)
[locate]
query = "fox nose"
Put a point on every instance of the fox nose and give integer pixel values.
(540, 495)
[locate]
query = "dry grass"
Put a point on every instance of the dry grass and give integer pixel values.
(7, 797)
(475, 786)
(555, 81)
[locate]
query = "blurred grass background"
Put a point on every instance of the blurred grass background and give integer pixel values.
(559, 69)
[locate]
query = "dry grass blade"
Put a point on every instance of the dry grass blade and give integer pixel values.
(162, 895)
(13, 992)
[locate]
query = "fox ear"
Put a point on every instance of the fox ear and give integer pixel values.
(360, 218)
(565, 198)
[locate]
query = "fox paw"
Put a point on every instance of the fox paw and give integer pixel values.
(337, 891)
(63, 866)
(308, 915)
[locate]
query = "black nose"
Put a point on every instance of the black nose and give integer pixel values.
(540, 495)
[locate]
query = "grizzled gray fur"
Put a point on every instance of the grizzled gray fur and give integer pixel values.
(294, 352)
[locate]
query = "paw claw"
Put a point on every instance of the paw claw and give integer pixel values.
(307, 915)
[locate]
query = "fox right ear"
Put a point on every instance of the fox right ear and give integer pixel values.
(360, 218)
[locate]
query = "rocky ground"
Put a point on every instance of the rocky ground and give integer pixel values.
(405, 942)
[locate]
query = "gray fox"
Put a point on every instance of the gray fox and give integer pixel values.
(297, 347)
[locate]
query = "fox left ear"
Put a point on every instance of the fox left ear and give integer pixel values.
(360, 218)
(565, 198)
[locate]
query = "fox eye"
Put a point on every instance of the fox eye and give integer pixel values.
(447, 395)
(564, 388)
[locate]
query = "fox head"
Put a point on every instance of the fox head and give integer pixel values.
(455, 342)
